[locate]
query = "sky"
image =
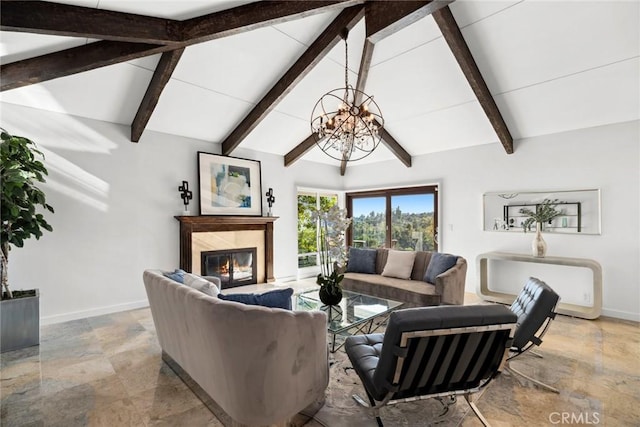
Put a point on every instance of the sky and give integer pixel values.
(413, 203)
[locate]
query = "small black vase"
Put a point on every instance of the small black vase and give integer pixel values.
(329, 298)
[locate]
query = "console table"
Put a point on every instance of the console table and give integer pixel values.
(586, 312)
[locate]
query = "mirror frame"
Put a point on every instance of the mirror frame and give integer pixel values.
(581, 211)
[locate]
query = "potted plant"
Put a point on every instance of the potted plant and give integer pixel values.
(331, 249)
(20, 170)
(544, 213)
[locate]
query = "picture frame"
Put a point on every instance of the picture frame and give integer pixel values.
(229, 185)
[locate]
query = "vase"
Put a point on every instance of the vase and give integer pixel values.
(539, 246)
(328, 298)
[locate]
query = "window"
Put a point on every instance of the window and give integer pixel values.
(308, 202)
(400, 218)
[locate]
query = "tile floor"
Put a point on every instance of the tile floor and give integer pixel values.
(107, 371)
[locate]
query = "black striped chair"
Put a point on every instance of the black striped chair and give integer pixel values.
(535, 307)
(433, 352)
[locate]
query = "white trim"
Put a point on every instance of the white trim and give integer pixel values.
(619, 314)
(59, 318)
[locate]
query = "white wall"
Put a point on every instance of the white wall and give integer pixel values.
(115, 203)
(606, 157)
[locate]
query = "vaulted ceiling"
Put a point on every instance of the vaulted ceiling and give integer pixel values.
(445, 75)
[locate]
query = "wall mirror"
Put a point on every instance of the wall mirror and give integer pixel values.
(580, 210)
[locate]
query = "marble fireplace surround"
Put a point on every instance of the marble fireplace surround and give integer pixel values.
(208, 233)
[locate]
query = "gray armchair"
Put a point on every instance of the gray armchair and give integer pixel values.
(432, 352)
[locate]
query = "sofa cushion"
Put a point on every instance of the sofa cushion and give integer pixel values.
(278, 298)
(177, 275)
(438, 264)
(201, 284)
(413, 292)
(399, 264)
(362, 261)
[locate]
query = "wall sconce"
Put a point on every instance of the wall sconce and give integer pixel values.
(185, 195)
(270, 200)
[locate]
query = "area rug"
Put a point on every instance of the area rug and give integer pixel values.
(341, 410)
(508, 400)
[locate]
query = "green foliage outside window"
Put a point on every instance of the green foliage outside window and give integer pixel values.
(407, 230)
(307, 227)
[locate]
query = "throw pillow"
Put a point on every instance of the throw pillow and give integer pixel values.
(177, 275)
(438, 264)
(201, 284)
(278, 298)
(362, 261)
(399, 264)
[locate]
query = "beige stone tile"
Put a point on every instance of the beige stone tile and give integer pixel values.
(122, 413)
(140, 371)
(164, 401)
(197, 416)
(80, 373)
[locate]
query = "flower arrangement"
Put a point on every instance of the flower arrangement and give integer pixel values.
(545, 212)
(332, 251)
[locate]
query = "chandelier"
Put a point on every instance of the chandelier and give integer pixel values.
(345, 121)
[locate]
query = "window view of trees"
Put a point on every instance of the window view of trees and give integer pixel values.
(308, 202)
(409, 224)
(369, 222)
(410, 229)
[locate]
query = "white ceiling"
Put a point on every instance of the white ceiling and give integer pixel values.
(551, 66)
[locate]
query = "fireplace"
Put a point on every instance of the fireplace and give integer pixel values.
(211, 233)
(234, 267)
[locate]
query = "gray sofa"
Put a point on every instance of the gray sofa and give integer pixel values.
(260, 365)
(447, 289)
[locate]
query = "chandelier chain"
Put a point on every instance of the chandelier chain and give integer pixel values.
(346, 62)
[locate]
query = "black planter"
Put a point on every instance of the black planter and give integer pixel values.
(19, 322)
(329, 298)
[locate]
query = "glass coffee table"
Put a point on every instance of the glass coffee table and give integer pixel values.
(355, 314)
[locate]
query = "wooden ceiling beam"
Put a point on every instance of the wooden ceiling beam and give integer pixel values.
(255, 15)
(365, 64)
(43, 17)
(103, 53)
(384, 18)
(299, 150)
(348, 18)
(161, 76)
(71, 61)
(395, 147)
(453, 36)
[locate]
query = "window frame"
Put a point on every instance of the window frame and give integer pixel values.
(388, 193)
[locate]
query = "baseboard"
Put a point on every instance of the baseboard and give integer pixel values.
(59, 318)
(618, 314)
(286, 279)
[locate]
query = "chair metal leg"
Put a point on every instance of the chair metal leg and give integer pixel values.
(535, 353)
(375, 409)
(476, 411)
(533, 380)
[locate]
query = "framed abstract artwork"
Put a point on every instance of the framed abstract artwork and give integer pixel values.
(229, 185)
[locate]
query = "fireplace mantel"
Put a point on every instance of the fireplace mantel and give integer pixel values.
(203, 224)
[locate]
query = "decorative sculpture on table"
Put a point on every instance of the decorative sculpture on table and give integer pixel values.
(185, 195)
(270, 200)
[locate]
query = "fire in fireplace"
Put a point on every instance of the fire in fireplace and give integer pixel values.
(234, 267)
